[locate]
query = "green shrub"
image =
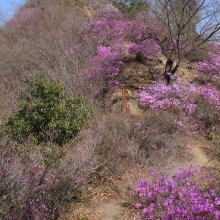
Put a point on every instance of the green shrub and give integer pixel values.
(46, 113)
(131, 7)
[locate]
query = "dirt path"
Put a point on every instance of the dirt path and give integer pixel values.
(111, 210)
(200, 151)
(199, 157)
(103, 204)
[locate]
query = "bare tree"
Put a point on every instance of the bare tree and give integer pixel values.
(187, 25)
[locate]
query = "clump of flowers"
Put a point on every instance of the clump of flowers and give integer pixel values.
(116, 39)
(211, 95)
(34, 184)
(26, 17)
(177, 197)
(174, 97)
(210, 65)
(108, 62)
(103, 70)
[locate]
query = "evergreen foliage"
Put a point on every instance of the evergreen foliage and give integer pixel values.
(46, 113)
(131, 6)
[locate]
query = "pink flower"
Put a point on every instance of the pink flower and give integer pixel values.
(189, 147)
(137, 206)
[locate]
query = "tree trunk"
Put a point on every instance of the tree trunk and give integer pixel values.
(169, 70)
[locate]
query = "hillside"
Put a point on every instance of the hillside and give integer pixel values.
(109, 111)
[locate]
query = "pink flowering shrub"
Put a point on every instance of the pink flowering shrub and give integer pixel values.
(169, 97)
(25, 18)
(115, 30)
(104, 68)
(22, 177)
(116, 37)
(148, 48)
(211, 95)
(176, 197)
(107, 62)
(123, 34)
(36, 183)
(179, 96)
(207, 108)
(211, 65)
(200, 104)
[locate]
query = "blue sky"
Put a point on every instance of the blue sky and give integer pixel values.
(8, 7)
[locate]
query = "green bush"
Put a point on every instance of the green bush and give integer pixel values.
(46, 113)
(131, 6)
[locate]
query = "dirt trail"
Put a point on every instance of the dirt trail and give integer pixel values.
(198, 147)
(199, 157)
(111, 208)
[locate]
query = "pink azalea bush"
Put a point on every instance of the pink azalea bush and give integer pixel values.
(176, 197)
(211, 95)
(211, 65)
(36, 186)
(116, 37)
(26, 18)
(179, 96)
(197, 107)
(169, 97)
(113, 29)
(108, 62)
(104, 68)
